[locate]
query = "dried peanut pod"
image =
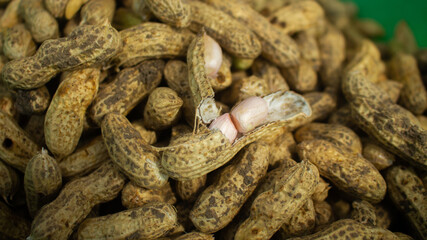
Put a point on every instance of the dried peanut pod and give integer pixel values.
(343, 117)
(377, 155)
(56, 7)
(301, 78)
(310, 49)
(33, 101)
(10, 16)
(423, 121)
(195, 236)
(321, 104)
(223, 78)
(125, 18)
(35, 128)
(70, 26)
(141, 9)
(409, 195)
(324, 213)
(85, 159)
(73, 6)
(66, 113)
(297, 16)
(282, 146)
(42, 181)
(220, 202)
(134, 196)
(12, 225)
(367, 60)
(403, 39)
(369, 27)
(152, 40)
(128, 89)
(176, 75)
(350, 229)
(9, 181)
(86, 46)
(148, 136)
(302, 222)
(96, 12)
(16, 147)
(233, 36)
(392, 88)
(321, 191)
(128, 150)
(150, 221)
(39, 21)
(344, 169)
(383, 216)
(334, 133)
(341, 209)
(195, 155)
(176, 13)
(245, 88)
(57, 219)
(271, 74)
(162, 109)
(272, 208)
(277, 46)
(364, 212)
(18, 42)
(8, 104)
(404, 69)
(332, 55)
(189, 190)
(393, 126)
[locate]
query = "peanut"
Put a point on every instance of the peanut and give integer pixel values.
(310, 49)
(130, 153)
(9, 182)
(150, 221)
(189, 190)
(10, 16)
(324, 213)
(33, 101)
(42, 181)
(134, 196)
(271, 74)
(12, 225)
(16, 145)
(56, 7)
(245, 88)
(173, 12)
(195, 236)
(35, 128)
(364, 212)
(393, 89)
(96, 12)
(301, 78)
(18, 42)
(377, 155)
(301, 223)
(86, 46)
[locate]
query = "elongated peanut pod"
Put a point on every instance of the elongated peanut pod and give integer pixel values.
(176, 13)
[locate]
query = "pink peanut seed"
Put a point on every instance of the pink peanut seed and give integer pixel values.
(213, 57)
(226, 126)
(249, 114)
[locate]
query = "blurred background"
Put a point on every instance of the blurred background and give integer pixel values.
(389, 12)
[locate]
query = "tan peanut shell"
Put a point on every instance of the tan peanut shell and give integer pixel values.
(42, 181)
(195, 155)
(33, 101)
(403, 68)
(73, 6)
(272, 208)
(377, 155)
(10, 16)
(66, 113)
(277, 46)
(369, 27)
(321, 191)
(39, 21)
(9, 182)
(271, 74)
(364, 212)
(343, 117)
(372, 110)
(297, 16)
(231, 35)
(150, 221)
(344, 169)
(152, 40)
(57, 219)
(348, 228)
(220, 202)
(310, 49)
(321, 104)
(324, 213)
(134, 157)
(35, 128)
(162, 109)
(334, 133)
(189, 190)
(85, 46)
(16, 147)
(393, 88)
(56, 7)
(134, 196)
(96, 12)
(282, 146)
(85, 159)
(341, 209)
(129, 87)
(301, 78)
(12, 225)
(244, 88)
(302, 222)
(332, 55)
(423, 121)
(18, 42)
(383, 216)
(195, 236)
(409, 195)
(176, 13)
(8, 104)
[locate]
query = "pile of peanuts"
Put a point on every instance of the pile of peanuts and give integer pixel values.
(209, 119)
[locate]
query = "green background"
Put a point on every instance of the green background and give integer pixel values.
(389, 12)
